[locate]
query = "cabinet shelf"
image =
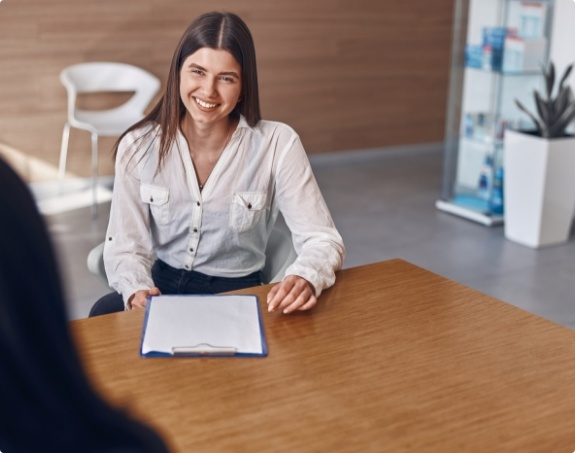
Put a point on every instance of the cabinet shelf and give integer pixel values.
(477, 215)
(487, 141)
(530, 73)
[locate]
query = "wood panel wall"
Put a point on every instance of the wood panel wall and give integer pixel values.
(346, 74)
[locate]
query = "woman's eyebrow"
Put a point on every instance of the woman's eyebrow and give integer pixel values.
(197, 66)
(201, 68)
(230, 73)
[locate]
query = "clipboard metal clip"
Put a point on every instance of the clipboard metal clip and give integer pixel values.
(204, 349)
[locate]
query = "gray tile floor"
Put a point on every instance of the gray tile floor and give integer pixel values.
(384, 206)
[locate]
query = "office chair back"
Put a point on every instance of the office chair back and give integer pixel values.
(105, 77)
(280, 253)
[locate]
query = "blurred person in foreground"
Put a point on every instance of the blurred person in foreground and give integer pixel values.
(46, 401)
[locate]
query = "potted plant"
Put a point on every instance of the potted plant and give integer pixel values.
(539, 183)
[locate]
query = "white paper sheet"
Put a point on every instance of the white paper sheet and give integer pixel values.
(207, 325)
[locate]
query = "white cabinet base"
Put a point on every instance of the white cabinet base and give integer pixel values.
(470, 214)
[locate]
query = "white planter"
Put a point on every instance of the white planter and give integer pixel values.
(539, 188)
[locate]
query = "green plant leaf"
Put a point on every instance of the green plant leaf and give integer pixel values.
(549, 76)
(538, 124)
(543, 108)
(565, 75)
(558, 128)
(555, 114)
(561, 102)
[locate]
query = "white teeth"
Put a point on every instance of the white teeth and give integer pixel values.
(205, 104)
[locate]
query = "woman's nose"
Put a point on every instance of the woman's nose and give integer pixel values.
(209, 86)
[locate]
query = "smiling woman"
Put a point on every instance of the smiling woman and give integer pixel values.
(202, 179)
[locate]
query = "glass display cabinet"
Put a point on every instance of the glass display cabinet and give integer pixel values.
(497, 52)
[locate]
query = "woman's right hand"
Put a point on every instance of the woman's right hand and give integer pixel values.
(139, 298)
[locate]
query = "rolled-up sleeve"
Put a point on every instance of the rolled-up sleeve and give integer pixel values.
(316, 240)
(128, 249)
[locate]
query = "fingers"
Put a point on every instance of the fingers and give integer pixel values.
(293, 293)
(140, 298)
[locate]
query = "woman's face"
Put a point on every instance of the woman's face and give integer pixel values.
(210, 85)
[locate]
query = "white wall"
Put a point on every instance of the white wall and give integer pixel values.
(563, 37)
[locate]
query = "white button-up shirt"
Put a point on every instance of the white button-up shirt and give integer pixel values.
(223, 229)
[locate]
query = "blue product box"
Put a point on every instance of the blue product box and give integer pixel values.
(495, 36)
(494, 42)
(473, 56)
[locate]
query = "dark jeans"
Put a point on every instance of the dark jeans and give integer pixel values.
(178, 281)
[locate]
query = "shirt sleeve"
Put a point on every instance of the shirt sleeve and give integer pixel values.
(128, 249)
(317, 242)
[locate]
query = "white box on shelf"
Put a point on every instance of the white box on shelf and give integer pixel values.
(523, 54)
(532, 20)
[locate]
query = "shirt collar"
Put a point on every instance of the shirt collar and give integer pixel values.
(243, 123)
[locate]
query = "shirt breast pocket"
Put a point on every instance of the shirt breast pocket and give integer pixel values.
(248, 209)
(157, 198)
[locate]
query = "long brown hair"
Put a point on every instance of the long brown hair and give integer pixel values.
(216, 30)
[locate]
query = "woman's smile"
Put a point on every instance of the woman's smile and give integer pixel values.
(204, 104)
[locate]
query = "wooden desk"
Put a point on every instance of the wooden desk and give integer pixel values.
(394, 358)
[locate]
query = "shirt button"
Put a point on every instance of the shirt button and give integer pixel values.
(198, 203)
(187, 267)
(195, 230)
(191, 249)
(249, 206)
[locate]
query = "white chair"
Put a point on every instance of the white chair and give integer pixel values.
(279, 255)
(104, 77)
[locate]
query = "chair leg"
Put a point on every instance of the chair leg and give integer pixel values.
(63, 153)
(94, 174)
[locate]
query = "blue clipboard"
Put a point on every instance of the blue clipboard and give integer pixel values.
(203, 326)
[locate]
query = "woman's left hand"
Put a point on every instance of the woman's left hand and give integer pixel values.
(293, 293)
